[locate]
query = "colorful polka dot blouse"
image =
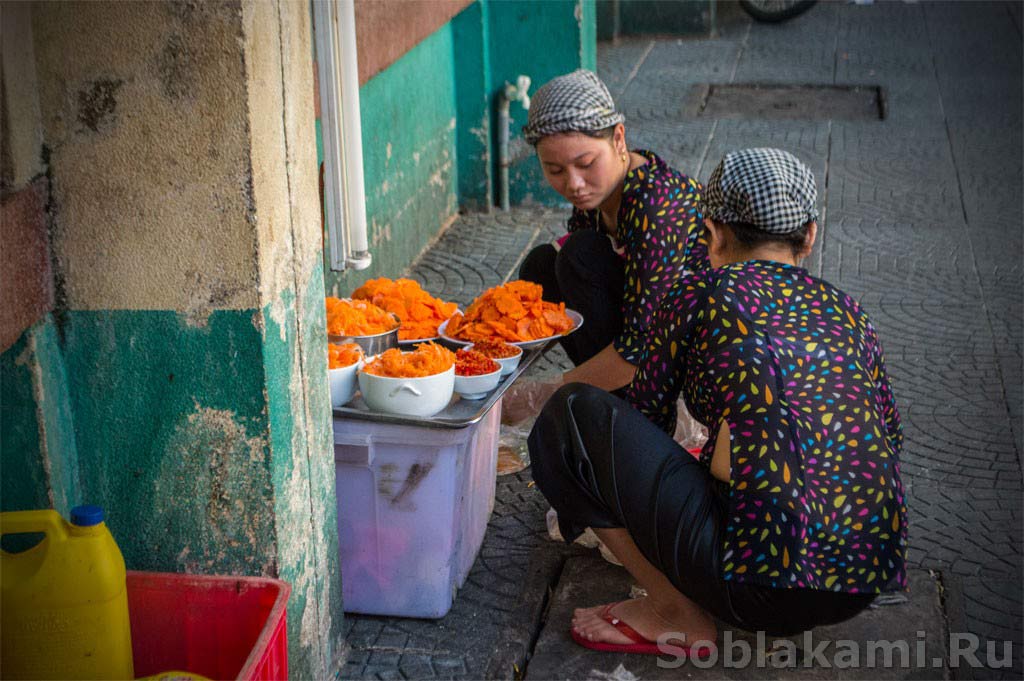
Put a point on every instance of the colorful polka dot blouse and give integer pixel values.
(661, 232)
(795, 368)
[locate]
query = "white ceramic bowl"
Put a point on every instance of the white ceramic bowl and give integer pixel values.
(343, 383)
(423, 396)
(477, 387)
(508, 364)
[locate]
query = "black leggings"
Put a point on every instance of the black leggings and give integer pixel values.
(603, 464)
(588, 276)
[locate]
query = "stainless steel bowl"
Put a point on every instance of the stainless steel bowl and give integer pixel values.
(371, 345)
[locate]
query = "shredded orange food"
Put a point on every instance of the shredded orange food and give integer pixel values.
(356, 318)
(426, 360)
(512, 312)
(496, 348)
(420, 312)
(340, 355)
(472, 363)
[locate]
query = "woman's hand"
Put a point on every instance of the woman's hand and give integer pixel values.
(525, 399)
(606, 370)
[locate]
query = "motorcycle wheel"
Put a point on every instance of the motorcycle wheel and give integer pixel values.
(774, 11)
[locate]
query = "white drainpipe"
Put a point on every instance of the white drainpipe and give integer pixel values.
(344, 190)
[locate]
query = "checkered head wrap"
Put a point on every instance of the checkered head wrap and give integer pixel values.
(575, 102)
(767, 188)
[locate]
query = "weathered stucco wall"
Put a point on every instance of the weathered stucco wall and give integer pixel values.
(19, 103)
(189, 293)
(27, 291)
(37, 448)
(285, 183)
(155, 96)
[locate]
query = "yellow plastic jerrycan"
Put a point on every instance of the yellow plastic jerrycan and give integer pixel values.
(64, 602)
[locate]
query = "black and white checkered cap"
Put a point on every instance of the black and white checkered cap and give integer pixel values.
(575, 102)
(770, 189)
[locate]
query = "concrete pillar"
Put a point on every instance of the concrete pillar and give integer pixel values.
(37, 448)
(185, 230)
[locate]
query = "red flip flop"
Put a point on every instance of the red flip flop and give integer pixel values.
(640, 645)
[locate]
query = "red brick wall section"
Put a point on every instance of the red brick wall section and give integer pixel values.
(27, 290)
(386, 29)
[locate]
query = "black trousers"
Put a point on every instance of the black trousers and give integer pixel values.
(602, 464)
(588, 276)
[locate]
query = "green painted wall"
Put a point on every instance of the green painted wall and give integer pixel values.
(295, 374)
(24, 481)
(181, 431)
(541, 39)
(429, 125)
(471, 36)
(408, 118)
(37, 440)
(179, 416)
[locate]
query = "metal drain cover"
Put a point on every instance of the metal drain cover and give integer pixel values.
(786, 102)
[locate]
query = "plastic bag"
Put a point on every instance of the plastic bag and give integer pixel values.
(588, 539)
(525, 398)
(691, 434)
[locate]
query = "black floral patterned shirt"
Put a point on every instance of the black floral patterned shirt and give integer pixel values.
(795, 368)
(661, 234)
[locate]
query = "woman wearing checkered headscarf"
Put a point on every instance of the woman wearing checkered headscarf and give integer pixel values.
(794, 514)
(635, 226)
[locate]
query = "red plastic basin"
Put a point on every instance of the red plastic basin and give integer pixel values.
(217, 626)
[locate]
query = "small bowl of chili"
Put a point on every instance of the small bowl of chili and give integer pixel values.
(505, 354)
(475, 374)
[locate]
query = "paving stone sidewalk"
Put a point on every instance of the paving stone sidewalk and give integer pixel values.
(922, 215)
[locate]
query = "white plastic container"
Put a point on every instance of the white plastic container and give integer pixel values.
(413, 506)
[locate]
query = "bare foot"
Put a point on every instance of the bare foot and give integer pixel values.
(640, 614)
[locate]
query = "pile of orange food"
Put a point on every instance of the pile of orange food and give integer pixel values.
(472, 363)
(426, 360)
(340, 355)
(496, 349)
(420, 312)
(356, 318)
(512, 312)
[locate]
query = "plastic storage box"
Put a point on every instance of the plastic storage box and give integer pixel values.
(215, 626)
(413, 505)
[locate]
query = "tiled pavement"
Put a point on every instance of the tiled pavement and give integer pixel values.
(922, 222)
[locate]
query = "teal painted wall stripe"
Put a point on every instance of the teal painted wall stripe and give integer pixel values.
(540, 39)
(471, 58)
(588, 34)
(408, 117)
(298, 405)
(429, 128)
(37, 439)
(24, 481)
(171, 422)
(58, 425)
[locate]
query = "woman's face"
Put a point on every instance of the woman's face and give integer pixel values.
(585, 170)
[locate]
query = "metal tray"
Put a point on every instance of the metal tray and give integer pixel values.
(459, 413)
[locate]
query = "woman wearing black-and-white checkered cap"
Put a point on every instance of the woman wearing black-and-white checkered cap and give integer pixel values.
(635, 226)
(794, 515)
